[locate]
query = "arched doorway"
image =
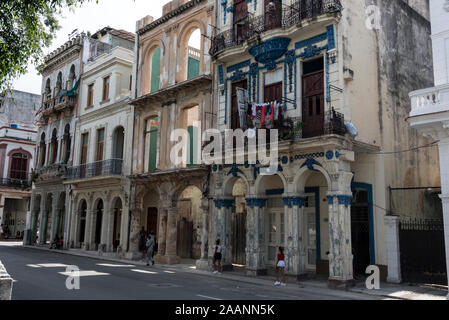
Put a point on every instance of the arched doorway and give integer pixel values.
(117, 224)
(193, 54)
(189, 220)
(42, 150)
(82, 214)
(54, 146)
(239, 214)
(47, 220)
(98, 223)
(272, 188)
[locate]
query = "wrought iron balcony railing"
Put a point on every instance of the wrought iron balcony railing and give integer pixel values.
(16, 183)
(254, 26)
(95, 169)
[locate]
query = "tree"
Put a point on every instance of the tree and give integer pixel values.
(26, 27)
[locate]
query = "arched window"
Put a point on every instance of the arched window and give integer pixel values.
(67, 141)
(58, 87)
(190, 117)
(47, 93)
(155, 70)
(193, 54)
(118, 139)
(72, 77)
(54, 146)
(42, 150)
(19, 166)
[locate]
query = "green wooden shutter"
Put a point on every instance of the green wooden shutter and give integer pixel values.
(192, 146)
(153, 148)
(193, 68)
(155, 70)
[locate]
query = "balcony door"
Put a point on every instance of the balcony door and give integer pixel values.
(240, 19)
(273, 14)
(313, 99)
(19, 165)
(100, 151)
(235, 118)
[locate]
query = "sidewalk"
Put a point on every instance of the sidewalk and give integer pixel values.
(394, 291)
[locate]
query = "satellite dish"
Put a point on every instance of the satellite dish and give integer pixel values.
(351, 129)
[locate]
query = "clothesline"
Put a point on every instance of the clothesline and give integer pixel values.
(261, 115)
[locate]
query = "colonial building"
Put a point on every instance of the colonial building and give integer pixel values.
(172, 90)
(50, 202)
(102, 148)
(17, 145)
(430, 107)
(334, 67)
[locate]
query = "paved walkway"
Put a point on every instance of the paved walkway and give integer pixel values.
(394, 291)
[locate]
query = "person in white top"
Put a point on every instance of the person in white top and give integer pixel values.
(217, 257)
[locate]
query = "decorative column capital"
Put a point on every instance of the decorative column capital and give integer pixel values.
(256, 202)
(343, 199)
(297, 201)
(223, 203)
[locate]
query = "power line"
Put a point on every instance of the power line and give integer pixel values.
(407, 150)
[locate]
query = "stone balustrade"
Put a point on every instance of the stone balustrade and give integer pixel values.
(430, 100)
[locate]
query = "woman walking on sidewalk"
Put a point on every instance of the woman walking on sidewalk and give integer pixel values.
(217, 257)
(280, 267)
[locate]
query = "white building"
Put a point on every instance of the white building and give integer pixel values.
(103, 140)
(430, 107)
(17, 145)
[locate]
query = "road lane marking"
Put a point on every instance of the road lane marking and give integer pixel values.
(33, 266)
(143, 271)
(85, 273)
(53, 265)
(115, 265)
(207, 297)
(166, 271)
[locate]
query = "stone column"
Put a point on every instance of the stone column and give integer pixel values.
(162, 233)
(33, 226)
(294, 235)
(171, 256)
(133, 252)
(445, 200)
(203, 262)
(393, 249)
(55, 216)
(255, 237)
(223, 231)
(89, 228)
(106, 218)
(43, 227)
(340, 256)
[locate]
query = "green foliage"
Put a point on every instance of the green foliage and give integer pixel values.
(26, 27)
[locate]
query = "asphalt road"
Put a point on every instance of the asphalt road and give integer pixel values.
(37, 276)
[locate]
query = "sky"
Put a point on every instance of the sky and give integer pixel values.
(119, 14)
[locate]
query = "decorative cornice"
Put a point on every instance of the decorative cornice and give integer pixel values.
(169, 15)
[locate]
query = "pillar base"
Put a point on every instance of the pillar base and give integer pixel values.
(202, 264)
(340, 284)
(256, 273)
(167, 259)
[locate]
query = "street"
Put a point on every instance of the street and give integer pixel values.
(38, 275)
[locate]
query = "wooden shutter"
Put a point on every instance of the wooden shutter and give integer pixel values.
(155, 70)
(106, 88)
(154, 127)
(100, 144)
(85, 140)
(90, 95)
(235, 117)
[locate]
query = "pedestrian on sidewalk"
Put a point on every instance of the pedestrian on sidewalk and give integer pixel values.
(280, 267)
(217, 257)
(150, 248)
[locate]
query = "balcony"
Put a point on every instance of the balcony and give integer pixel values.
(254, 26)
(51, 172)
(16, 183)
(58, 104)
(96, 169)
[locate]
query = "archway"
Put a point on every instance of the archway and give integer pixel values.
(239, 214)
(54, 146)
(82, 215)
(118, 138)
(189, 220)
(315, 220)
(272, 188)
(67, 144)
(193, 54)
(42, 150)
(149, 219)
(98, 222)
(117, 209)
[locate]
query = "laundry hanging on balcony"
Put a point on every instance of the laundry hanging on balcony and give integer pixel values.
(263, 115)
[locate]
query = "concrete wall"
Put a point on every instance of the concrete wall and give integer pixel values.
(19, 108)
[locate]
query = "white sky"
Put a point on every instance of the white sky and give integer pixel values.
(119, 14)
